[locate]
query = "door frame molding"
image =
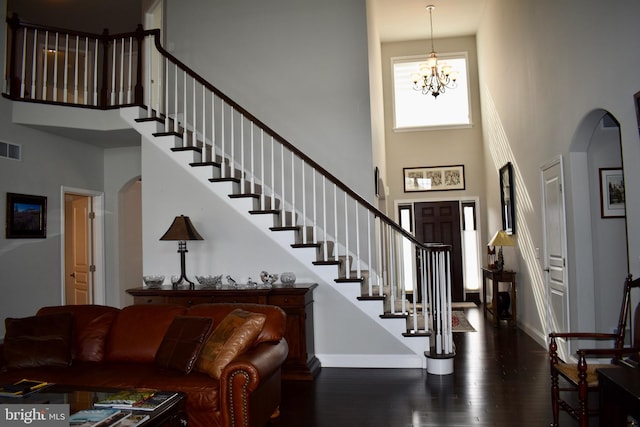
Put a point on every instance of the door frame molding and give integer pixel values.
(97, 241)
(557, 160)
(459, 199)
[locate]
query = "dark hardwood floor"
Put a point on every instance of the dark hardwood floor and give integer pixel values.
(501, 378)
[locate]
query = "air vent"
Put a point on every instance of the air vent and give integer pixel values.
(10, 151)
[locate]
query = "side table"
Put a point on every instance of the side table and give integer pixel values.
(496, 277)
(619, 396)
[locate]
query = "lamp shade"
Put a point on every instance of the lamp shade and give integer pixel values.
(501, 238)
(181, 229)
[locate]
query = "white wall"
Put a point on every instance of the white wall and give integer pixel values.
(122, 217)
(543, 67)
(300, 66)
(234, 246)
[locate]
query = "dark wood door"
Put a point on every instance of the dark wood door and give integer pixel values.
(439, 222)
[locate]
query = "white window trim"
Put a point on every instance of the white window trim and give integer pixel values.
(414, 58)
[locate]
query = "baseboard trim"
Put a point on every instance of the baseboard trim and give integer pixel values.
(395, 361)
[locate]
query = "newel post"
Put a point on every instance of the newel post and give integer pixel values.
(11, 75)
(104, 89)
(139, 89)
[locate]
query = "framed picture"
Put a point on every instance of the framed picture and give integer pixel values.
(507, 199)
(434, 178)
(636, 99)
(26, 216)
(612, 193)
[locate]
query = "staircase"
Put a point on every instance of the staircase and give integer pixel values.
(346, 241)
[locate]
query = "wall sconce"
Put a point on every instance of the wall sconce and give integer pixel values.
(182, 230)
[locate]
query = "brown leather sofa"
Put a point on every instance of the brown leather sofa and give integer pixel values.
(116, 348)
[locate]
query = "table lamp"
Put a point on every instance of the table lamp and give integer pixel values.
(501, 238)
(182, 230)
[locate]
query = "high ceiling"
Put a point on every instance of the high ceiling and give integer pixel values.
(400, 20)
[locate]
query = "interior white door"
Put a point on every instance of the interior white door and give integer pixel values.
(555, 251)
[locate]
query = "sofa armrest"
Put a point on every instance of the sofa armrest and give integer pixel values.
(252, 374)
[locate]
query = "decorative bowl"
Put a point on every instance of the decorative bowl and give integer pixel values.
(153, 281)
(210, 280)
(288, 278)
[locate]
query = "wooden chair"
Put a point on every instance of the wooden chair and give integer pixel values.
(581, 377)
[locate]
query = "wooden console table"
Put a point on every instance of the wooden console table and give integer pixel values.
(496, 277)
(296, 301)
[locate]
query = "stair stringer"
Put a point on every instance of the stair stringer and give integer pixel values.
(325, 274)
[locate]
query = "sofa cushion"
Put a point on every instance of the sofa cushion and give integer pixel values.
(91, 327)
(38, 341)
(138, 330)
(274, 326)
(182, 343)
(233, 336)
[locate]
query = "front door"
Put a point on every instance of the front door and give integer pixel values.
(78, 249)
(555, 251)
(439, 222)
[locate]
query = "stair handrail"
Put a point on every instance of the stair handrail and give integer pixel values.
(15, 22)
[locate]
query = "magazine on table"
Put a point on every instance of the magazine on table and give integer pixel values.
(140, 400)
(22, 388)
(125, 399)
(102, 417)
(134, 420)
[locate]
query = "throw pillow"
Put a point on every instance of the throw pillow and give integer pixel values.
(232, 337)
(37, 341)
(182, 343)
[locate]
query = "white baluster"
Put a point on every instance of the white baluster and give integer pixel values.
(273, 177)
(335, 222)
(55, 70)
(304, 203)
(85, 83)
(130, 79)
(314, 206)
(263, 196)
(324, 217)
(95, 73)
(45, 66)
(113, 73)
(293, 191)
(347, 264)
(232, 160)
(33, 65)
(358, 263)
(75, 74)
(185, 113)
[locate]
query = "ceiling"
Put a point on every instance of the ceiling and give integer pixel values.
(399, 20)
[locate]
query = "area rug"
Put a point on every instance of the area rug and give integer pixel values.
(459, 322)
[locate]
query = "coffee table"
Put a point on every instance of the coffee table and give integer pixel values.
(170, 414)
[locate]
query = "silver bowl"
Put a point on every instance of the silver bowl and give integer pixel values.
(210, 281)
(153, 281)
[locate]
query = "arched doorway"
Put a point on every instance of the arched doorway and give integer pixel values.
(129, 238)
(598, 242)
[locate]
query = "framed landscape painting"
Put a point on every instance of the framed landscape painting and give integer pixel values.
(612, 199)
(434, 178)
(26, 216)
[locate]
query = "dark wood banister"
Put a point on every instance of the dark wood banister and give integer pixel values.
(140, 33)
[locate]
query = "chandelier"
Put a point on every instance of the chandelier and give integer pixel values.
(434, 76)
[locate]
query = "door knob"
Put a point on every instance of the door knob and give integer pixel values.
(73, 274)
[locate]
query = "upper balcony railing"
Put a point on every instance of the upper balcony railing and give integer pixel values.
(50, 65)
